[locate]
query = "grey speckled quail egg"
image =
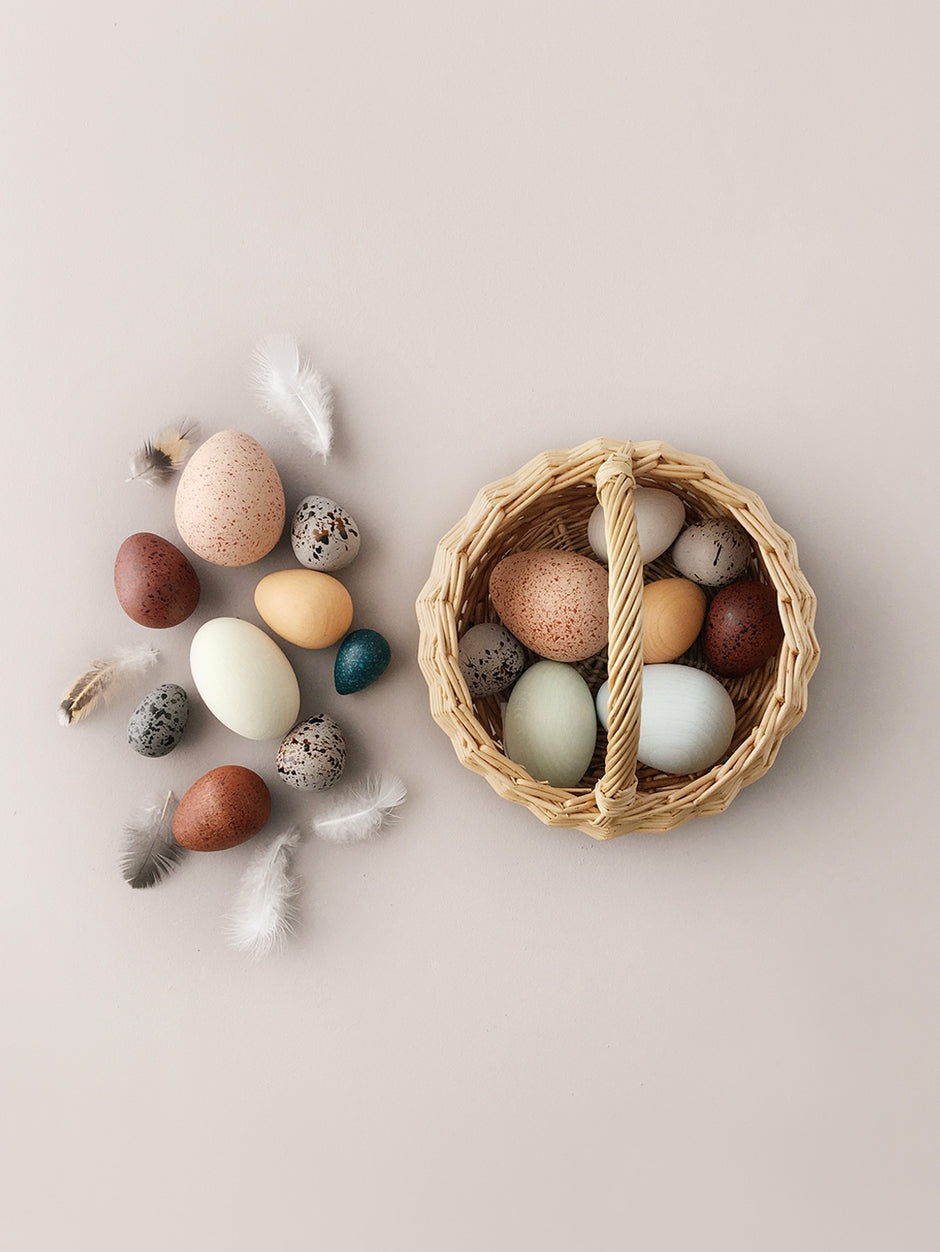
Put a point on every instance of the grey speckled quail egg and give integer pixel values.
(490, 658)
(323, 535)
(156, 726)
(312, 756)
(713, 552)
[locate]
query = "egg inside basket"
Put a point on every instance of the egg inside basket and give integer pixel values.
(547, 504)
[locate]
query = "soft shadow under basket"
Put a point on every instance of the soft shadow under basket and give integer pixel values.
(547, 503)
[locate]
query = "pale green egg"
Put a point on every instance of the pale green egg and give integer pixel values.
(550, 724)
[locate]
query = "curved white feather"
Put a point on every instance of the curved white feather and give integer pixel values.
(357, 813)
(293, 391)
(265, 910)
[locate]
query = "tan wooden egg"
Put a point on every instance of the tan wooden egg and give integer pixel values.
(305, 607)
(673, 614)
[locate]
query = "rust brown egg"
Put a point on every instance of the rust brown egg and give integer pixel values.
(742, 628)
(154, 582)
(222, 809)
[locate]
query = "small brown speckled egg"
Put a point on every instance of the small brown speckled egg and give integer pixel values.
(222, 809)
(742, 628)
(553, 601)
(712, 552)
(229, 505)
(154, 582)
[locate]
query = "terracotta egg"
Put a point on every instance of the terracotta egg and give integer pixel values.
(673, 613)
(222, 809)
(154, 582)
(229, 504)
(553, 601)
(305, 607)
(742, 629)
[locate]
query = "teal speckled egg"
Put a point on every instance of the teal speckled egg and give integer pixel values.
(363, 657)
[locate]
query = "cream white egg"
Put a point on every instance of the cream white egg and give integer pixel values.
(660, 515)
(244, 678)
(687, 719)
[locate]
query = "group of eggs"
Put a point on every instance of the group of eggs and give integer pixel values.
(553, 603)
(230, 511)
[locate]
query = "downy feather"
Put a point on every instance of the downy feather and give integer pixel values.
(157, 459)
(294, 392)
(150, 852)
(360, 812)
(102, 679)
(265, 910)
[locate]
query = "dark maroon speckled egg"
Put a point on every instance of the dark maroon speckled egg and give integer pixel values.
(154, 582)
(742, 628)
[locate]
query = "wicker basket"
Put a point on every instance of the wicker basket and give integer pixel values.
(547, 503)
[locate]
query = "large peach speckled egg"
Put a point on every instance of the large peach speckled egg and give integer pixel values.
(230, 502)
(553, 601)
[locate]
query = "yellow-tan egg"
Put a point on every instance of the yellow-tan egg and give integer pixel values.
(229, 506)
(305, 607)
(673, 614)
(553, 601)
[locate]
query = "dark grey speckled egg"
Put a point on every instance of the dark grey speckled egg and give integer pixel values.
(490, 657)
(157, 724)
(323, 535)
(713, 552)
(312, 756)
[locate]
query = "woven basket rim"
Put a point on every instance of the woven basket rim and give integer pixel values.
(614, 805)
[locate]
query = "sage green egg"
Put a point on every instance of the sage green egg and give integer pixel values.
(550, 724)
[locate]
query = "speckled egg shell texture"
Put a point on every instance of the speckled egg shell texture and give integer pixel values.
(742, 629)
(222, 809)
(154, 582)
(157, 724)
(229, 505)
(490, 658)
(323, 535)
(553, 601)
(361, 658)
(312, 756)
(712, 552)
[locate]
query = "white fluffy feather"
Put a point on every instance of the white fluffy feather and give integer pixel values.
(360, 812)
(293, 391)
(265, 910)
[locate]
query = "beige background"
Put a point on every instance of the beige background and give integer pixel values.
(497, 228)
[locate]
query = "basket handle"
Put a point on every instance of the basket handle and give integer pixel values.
(615, 792)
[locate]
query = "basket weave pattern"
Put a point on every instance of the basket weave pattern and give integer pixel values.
(547, 503)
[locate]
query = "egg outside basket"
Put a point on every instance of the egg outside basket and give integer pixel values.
(547, 503)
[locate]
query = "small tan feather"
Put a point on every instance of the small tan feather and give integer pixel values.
(102, 679)
(158, 459)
